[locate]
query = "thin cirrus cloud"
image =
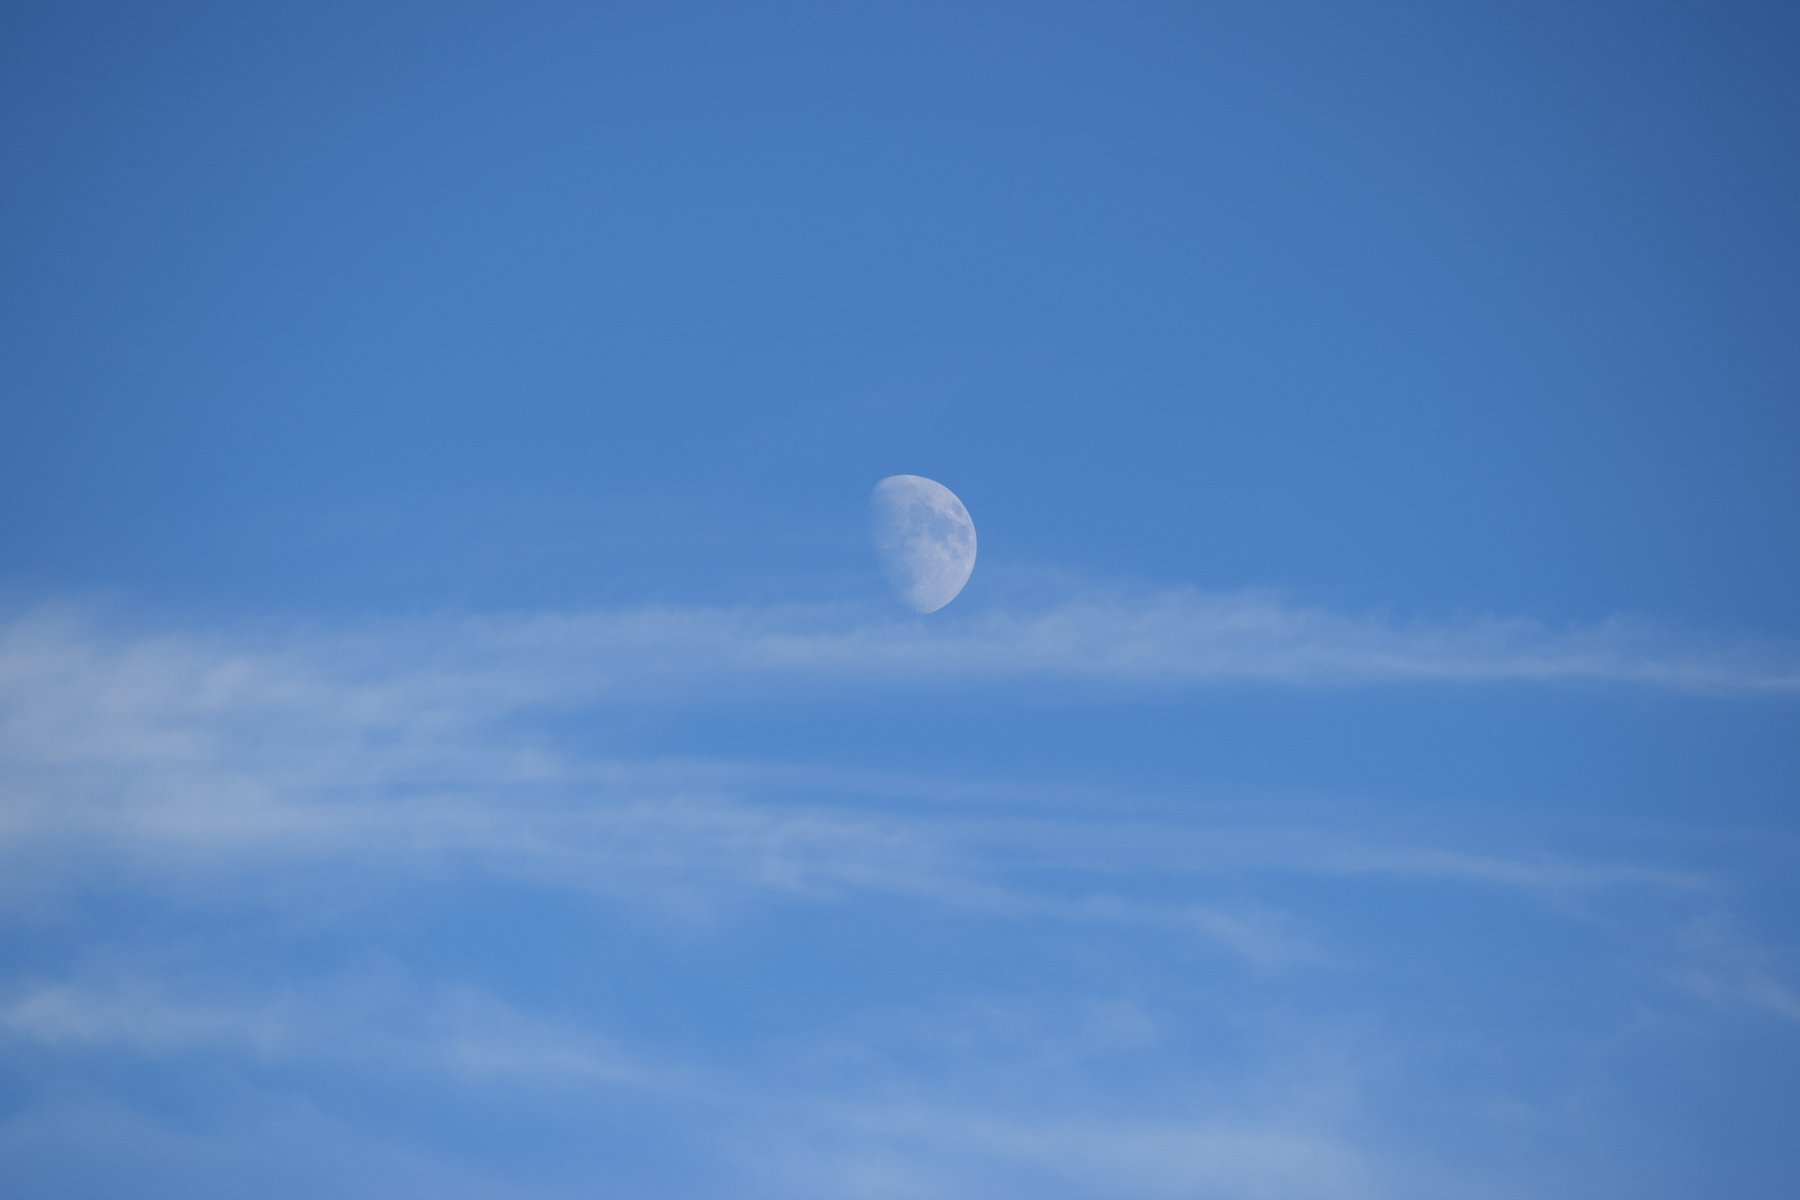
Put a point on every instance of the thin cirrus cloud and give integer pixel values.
(372, 763)
(1155, 640)
(183, 757)
(138, 1008)
(443, 666)
(402, 743)
(815, 1134)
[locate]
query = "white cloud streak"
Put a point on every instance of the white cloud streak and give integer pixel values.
(370, 1022)
(398, 752)
(440, 668)
(399, 748)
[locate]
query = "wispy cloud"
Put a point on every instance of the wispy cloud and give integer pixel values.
(864, 1126)
(248, 765)
(1188, 638)
(264, 1143)
(891, 1152)
(1723, 966)
(372, 1021)
(402, 748)
(431, 671)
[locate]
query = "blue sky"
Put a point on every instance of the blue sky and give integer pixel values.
(455, 738)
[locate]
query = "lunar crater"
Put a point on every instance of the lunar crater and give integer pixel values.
(924, 538)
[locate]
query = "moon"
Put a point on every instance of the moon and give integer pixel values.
(925, 539)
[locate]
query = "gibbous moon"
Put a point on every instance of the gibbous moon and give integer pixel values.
(925, 539)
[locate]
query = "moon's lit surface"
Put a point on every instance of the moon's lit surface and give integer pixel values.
(925, 539)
